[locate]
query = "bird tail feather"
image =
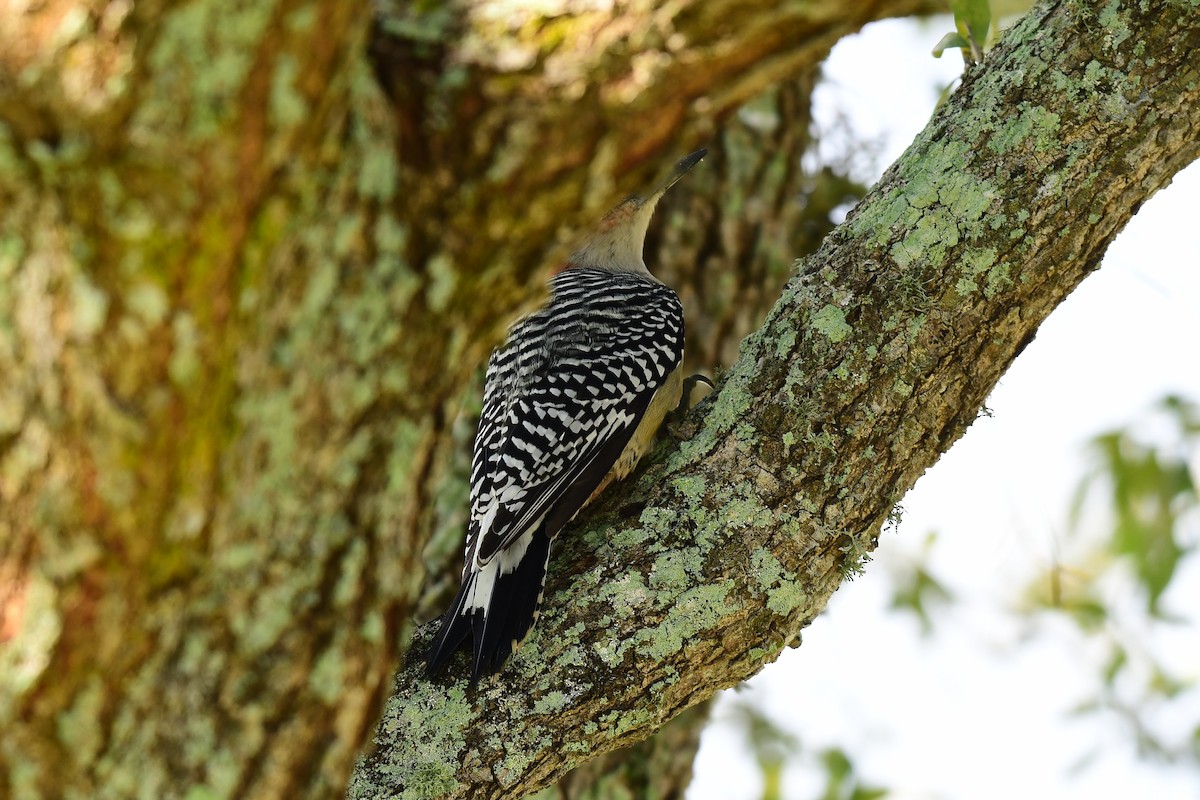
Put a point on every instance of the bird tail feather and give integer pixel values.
(502, 621)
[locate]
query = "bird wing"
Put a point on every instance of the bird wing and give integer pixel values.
(562, 399)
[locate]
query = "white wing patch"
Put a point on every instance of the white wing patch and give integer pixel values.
(484, 575)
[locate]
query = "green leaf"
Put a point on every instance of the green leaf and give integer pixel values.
(948, 41)
(974, 18)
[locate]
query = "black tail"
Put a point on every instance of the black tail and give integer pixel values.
(455, 627)
(510, 613)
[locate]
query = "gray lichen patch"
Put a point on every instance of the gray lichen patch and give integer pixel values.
(433, 720)
(694, 611)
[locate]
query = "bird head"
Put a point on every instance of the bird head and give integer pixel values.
(617, 241)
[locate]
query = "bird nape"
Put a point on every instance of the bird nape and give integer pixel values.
(571, 402)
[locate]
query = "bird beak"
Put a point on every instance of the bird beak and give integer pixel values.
(681, 168)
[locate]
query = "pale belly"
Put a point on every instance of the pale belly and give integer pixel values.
(664, 402)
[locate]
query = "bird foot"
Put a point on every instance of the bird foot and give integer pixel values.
(685, 403)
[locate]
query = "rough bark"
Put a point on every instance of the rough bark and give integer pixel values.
(658, 767)
(241, 293)
(190, 610)
(877, 357)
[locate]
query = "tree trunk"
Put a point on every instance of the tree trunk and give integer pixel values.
(242, 291)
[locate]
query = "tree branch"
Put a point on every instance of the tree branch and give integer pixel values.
(874, 361)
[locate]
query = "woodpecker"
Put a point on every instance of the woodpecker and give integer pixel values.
(571, 402)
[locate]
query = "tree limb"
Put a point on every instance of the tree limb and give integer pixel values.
(874, 361)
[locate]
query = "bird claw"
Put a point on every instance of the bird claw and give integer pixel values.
(685, 402)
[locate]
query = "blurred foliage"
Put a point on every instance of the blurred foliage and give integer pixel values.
(1147, 488)
(774, 749)
(842, 783)
(916, 590)
(771, 746)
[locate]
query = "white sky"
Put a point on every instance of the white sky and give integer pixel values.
(976, 711)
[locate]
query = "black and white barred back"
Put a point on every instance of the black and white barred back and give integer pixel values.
(561, 400)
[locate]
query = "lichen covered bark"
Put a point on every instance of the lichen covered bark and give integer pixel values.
(242, 290)
(197, 587)
(877, 357)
